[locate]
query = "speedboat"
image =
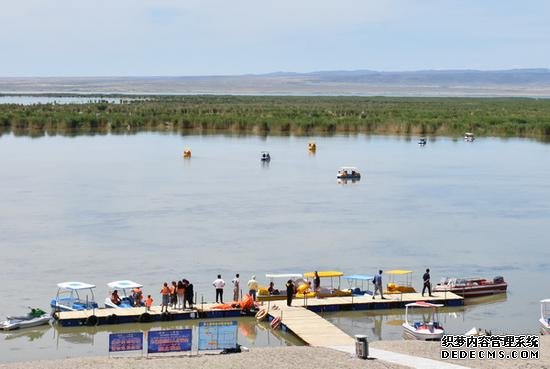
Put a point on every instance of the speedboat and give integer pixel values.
(34, 318)
(186, 152)
(472, 287)
(469, 137)
(545, 316)
(264, 156)
(125, 290)
(74, 296)
(348, 173)
(422, 141)
(312, 147)
(426, 330)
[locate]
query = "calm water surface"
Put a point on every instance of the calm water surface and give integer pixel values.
(103, 208)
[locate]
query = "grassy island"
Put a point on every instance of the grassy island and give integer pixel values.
(520, 117)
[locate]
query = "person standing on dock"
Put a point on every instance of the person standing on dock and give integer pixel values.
(165, 292)
(316, 282)
(253, 287)
(236, 287)
(378, 285)
(289, 292)
(189, 294)
(427, 283)
(219, 284)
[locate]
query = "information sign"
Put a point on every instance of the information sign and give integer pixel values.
(217, 335)
(169, 341)
(119, 342)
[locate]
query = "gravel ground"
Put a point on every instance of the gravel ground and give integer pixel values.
(290, 357)
(432, 350)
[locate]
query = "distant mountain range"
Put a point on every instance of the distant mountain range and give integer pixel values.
(513, 82)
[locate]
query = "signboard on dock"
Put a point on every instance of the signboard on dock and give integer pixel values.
(173, 340)
(119, 342)
(217, 335)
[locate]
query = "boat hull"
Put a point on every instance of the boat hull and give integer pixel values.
(474, 291)
(544, 327)
(14, 323)
(434, 334)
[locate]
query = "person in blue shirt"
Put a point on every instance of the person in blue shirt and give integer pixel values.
(378, 285)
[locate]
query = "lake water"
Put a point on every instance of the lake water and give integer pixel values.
(41, 99)
(104, 208)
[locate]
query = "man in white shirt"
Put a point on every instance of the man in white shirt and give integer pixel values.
(219, 284)
(253, 287)
(236, 287)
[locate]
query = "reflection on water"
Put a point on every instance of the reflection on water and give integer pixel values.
(347, 180)
(58, 342)
(386, 324)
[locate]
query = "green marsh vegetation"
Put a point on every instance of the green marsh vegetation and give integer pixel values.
(273, 115)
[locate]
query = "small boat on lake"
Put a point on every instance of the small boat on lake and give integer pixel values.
(400, 281)
(428, 329)
(422, 141)
(128, 291)
(324, 289)
(545, 316)
(264, 156)
(74, 296)
(469, 137)
(187, 152)
(264, 293)
(312, 147)
(473, 286)
(355, 279)
(348, 173)
(34, 318)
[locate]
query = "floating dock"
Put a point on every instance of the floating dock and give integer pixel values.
(208, 311)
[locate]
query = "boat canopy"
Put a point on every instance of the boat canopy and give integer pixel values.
(324, 274)
(349, 168)
(124, 284)
(284, 275)
(359, 277)
(399, 272)
(75, 285)
(545, 301)
(468, 134)
(424, 304)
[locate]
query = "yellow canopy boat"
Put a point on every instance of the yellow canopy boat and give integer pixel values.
(326, 291)
(400, 281)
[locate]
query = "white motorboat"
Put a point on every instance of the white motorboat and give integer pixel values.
(422, 141)
(348, 173)
(74, 296)
(426, 330)
(469, 137)
(264, 156)
(545, 316)
(35, 318)
(125, 289)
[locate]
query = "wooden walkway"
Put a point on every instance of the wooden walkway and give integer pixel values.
(310, 327)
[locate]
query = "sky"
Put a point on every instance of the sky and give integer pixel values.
(220, 37)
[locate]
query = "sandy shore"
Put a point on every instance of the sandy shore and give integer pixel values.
(291, 357)
(432, 350)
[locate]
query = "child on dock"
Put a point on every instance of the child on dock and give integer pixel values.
(148, 302)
